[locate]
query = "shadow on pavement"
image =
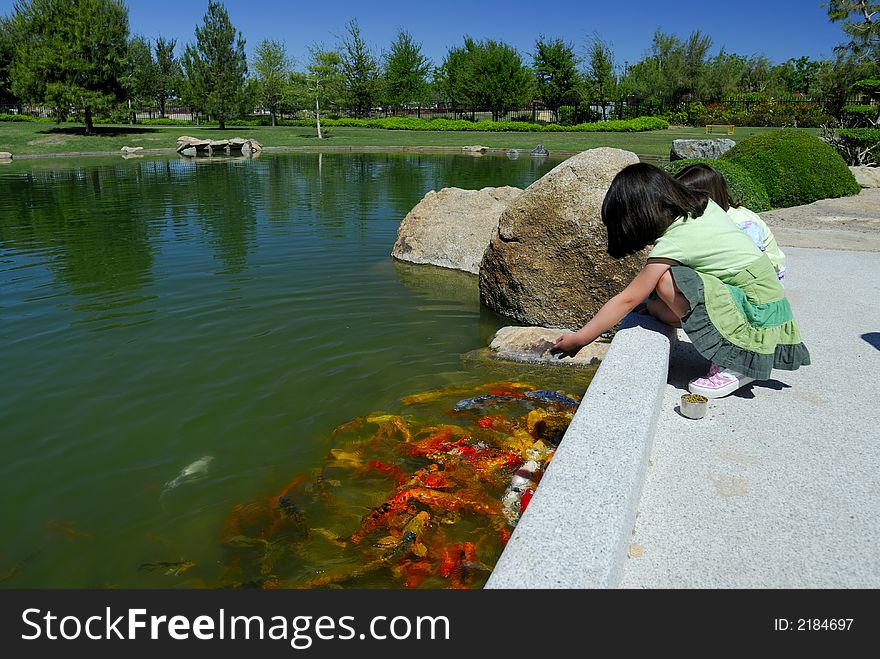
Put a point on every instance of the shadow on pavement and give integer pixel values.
(873, 338)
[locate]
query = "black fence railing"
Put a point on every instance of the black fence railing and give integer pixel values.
(573, 109)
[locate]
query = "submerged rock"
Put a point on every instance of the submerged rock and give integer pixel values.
(533, 344)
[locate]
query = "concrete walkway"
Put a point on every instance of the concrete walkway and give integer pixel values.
(779, 485)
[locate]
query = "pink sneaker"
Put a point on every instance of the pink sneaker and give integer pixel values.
(719, 382)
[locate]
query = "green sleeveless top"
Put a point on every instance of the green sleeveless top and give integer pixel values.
(711, 244)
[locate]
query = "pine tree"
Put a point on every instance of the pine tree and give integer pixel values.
(168, 73)
(215, 67)
(71, 54)
(272, 69)
(406, 72)
(361, 71)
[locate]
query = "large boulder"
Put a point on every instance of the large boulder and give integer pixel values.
(548, 262)
(867, 177)
(452, 228)
(687, 149)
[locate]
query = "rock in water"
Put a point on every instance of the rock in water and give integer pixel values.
(452, 228)
(548, 262)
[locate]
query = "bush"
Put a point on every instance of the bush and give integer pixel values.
(860, 115)
(744, 188)
(412, 123)
(794, 167)
(859, 146)
(17, 117)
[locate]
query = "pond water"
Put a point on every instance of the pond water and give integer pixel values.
(154, 312)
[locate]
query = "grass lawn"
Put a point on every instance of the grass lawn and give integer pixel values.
(27, 138)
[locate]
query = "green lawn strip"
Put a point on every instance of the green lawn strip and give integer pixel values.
(33, 138)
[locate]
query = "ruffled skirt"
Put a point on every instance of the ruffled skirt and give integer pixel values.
(745, 323)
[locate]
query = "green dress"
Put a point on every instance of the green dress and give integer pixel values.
(739, 317)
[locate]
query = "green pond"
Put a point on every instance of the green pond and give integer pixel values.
(154, 312)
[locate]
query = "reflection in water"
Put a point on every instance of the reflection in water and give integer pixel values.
(156, 311)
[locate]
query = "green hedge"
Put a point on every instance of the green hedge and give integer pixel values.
(412, 123)
(794, 167)
(743, 186)
(23, 117)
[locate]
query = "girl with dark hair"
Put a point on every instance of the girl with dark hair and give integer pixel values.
(707, 276)
(703, 177)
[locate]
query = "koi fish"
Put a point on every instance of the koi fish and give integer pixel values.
(522, 481)
(484, 401)
(175, 568)
(194, 471)
(552, 397)
(410, 539)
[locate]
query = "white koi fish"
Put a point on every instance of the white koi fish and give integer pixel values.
(194, 471)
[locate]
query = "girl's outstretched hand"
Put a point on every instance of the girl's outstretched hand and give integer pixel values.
(567, 345)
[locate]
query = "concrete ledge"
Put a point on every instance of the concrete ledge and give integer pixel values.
(577, 528)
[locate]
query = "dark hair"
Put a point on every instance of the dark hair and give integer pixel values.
(709, 180)
(641, 203)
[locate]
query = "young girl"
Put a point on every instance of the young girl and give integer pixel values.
(706, 178)
(707, 275)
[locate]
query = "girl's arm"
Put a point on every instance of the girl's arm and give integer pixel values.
(613, 311)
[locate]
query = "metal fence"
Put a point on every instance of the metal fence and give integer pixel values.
(573, 109)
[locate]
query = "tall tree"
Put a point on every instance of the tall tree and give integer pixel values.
(798, 75)
(724, 74)
(600, 73)
(452, 77)
(406, 71)
(168, 73)
(7, 52)
(140, 77)
(324, 81)
(488, 75)
(70, 54)
(555, 65)
(361, 70)
(272, 81)
(216, 67)
(861, 23)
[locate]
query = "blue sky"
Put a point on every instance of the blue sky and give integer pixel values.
(779, 29)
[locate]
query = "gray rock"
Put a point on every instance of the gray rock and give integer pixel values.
(548, 262)
(867, 177)
(452, 228)
(5, 155)
(131, 149)
(532, 345)
(712, 148)
(475, 148)
(540, 151)
(188, 151)
(513, 154)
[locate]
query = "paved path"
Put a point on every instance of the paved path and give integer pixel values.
(845, 223)
(779, 485)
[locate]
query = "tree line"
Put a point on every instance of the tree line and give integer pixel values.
(78, 57)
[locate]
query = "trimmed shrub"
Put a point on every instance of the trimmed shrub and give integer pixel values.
(860, 115)
(861, 145)
(743, 186)
(794, 167)
(412, 123)
(25, 117)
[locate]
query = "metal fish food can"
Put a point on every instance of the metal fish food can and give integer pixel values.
(694, 406)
